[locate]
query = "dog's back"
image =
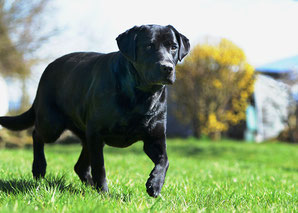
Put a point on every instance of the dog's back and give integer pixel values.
(63, 92)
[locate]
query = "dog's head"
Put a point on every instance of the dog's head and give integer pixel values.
(154, 51)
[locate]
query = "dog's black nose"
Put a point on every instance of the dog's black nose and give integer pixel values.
(168, 68)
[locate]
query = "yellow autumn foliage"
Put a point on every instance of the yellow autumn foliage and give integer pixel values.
(213, 87)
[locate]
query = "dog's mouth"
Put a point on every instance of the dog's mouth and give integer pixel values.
(166, 81)
(160, 78)
(169, 81)
(170, 78)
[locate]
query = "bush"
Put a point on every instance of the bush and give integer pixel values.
(214, 84)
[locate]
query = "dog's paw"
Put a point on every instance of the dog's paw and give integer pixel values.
(154, 185)
(102, 188)
(39, 169)
(89, 180)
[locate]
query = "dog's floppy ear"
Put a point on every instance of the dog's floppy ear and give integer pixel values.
(184, 45)
(127, 43)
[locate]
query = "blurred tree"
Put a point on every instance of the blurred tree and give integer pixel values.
(22, 32)
(214, 84)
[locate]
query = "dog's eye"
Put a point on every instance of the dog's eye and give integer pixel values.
(174, 47)
(150, 46)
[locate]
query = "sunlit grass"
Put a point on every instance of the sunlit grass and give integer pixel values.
(203, 176)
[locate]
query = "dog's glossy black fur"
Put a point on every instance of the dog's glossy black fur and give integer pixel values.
(115, 99)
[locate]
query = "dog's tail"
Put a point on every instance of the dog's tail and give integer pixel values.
(20, 122)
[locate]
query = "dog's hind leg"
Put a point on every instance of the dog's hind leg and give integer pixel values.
(39, 160)
(82, 167)
(49, 125)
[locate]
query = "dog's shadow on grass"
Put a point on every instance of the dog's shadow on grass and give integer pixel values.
(52, 183)
(16, 186)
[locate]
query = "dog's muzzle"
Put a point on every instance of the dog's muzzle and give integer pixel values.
(167, 68)
(168, 72)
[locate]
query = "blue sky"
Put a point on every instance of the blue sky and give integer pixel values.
(265, 29)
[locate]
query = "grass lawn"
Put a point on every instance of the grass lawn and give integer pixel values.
(203, 176)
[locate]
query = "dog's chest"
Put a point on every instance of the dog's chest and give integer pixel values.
(132, 119)
(124, 133)
(132, 126)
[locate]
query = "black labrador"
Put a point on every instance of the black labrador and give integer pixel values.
(115, 99)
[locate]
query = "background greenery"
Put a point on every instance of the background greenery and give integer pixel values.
(203, 176)
(213, 88)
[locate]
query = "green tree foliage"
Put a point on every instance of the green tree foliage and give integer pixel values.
(21, 34)
(23, 30)
(214, 84)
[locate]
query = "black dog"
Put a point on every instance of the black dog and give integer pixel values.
(115, 99)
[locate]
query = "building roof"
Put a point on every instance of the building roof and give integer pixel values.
(280, 66)
(295, 92)
(295, 96)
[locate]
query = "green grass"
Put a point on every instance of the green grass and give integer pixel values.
(203, 176)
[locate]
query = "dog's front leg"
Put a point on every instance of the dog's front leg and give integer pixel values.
(95, 146)
(156, 150)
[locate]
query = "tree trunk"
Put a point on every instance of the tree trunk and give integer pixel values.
(25, 101)
(196, 128)
(215, 136)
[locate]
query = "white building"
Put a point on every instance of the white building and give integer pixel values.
(3, 97)
(274, 99)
